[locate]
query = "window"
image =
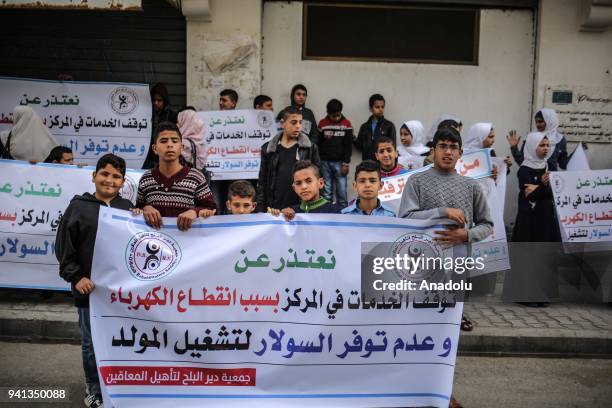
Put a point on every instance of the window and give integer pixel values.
(391, 33)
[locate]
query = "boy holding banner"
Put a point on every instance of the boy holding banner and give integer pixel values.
(74, 251)
(367, 185)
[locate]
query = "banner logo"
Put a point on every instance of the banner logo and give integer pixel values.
(123, 100)
(152, 255)
(417, 245)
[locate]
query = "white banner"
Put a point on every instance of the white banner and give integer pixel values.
(477, 164)
(32, 201)
(233, 141)
(258, 311)
(583, 200)
(92, 118)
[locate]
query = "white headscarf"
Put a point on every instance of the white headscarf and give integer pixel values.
(30, 138)
(477, 135)
(531, 157)
(552, 125)
(434, 127)
(192, 128)
(410, 156)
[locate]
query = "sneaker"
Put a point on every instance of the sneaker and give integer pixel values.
(93, 401)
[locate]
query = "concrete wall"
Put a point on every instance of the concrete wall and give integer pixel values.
(225, 53)
(567, 56)
(498, 90)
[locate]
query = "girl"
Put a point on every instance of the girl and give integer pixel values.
(411, 147)
(482, 136)
(533, 279)
(546, 121)
(29, 139)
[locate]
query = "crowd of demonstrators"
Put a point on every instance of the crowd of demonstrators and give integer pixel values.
(304, 169)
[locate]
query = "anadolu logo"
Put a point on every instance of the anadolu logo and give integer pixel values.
(416, 245)
(152, 255)
(123, 100)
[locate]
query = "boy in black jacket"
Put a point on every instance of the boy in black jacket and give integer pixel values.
(375, 127)
(74, 246)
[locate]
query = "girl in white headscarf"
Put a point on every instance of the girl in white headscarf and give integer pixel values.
(444, 118)
(29, 139)
(533, 279)
(482, 136)
(411, 147)
(192, 132)
(546, 121)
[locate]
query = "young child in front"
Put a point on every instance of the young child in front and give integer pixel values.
(307, 184)
(241, 198)
(367, 185)
(74, 247)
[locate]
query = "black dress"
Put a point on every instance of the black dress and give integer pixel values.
(535, 249)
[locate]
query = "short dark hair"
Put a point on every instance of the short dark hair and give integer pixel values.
(164, 126)
(334, 106)
(374, 98)
(368, 165)
(383, 139)
(233, 95)
(260, 100)
(115, 161)
(289, 110)
(448, 134)
(242, 189)
(55, 155)
(539, 115)
(306, 164)
(448, 123)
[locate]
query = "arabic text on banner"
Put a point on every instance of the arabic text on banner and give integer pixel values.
(583, 200)
(233, 141)
(33, 199)
(478, 165)
(91, 118)
(261, 310)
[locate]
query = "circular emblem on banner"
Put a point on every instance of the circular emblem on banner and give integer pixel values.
(129, 189)
(151, 255)
(416, 245)
(265, 119)
(123, 100)
(557, 184)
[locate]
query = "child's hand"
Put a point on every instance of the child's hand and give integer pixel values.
(273, 211)
(494, 172)
(205, 213)
(185, 219)
(288, 213)
(136, 211)
(152, 216)
(513, 139)
(85, 286)
(344, 169)
(456, 214)
(451, 235)
(546, 178)
(529, 188)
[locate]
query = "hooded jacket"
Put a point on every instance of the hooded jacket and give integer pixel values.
(269, 166)
(365, 139)
(165, 115)
(309, 123)
(76, 236)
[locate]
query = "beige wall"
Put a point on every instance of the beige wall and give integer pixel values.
(567, 56)
(225, 53)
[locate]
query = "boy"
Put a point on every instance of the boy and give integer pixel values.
(228, 99)
(307, 183)
(278, 156)
(241, 198)
(298, 99)
(172, 189)
(160, 101)
(61, 155)
(74, 251)
(386, 154)
(367, 185)
(335, 148)
(375, 127)
(263, 102)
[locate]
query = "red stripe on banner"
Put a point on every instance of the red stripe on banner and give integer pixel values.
(181, 376)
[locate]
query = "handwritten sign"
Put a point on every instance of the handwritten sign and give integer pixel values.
(33, 199)
(278, 317)
(91, 118)
(233, 141)
(583, 200)
(585, 113)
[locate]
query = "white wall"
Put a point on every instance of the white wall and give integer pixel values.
(498, 90)
(225, 53)
(567, 56)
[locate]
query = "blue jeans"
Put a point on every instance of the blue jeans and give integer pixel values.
(332, 175)
(89, 358)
